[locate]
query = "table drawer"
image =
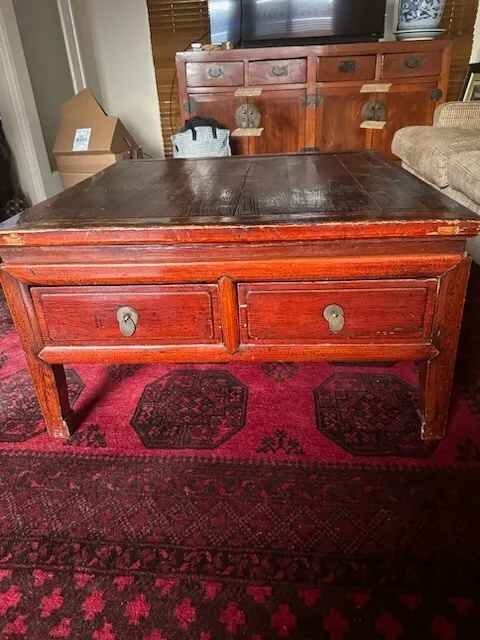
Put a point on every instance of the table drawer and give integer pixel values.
(406, 65)
(396, 310)
(293, 71)
(170, 314)
(214, 74)
(346, 68)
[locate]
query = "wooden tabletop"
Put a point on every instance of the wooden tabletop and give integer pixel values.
(251, 199)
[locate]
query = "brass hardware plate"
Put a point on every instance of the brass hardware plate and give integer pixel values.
(190, 106)
(378, 87)
(372, 124)
(374, 111)
(247, 116)
(334, 315)
(127, 320)
(247, 91)
(311, 100)
(247, 133)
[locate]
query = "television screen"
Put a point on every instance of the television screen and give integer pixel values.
(273, 21)
(281, 19)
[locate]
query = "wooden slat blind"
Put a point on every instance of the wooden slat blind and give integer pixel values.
(459, 20)
(174, 25)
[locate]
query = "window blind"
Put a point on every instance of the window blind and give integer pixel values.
(174, 25)
(459, 20)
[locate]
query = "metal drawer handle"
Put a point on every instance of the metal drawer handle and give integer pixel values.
(279, 70)
(346, 66)
(215, 72)
(412, 62)
(333, 314)
(127, 320)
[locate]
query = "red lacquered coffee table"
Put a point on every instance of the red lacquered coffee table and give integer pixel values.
(296, 257)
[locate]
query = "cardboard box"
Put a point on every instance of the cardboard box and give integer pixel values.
(88, 140)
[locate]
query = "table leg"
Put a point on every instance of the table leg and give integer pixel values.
(436, 375)
(49, 380)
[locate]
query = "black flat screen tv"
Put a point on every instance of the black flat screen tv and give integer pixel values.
(277, 22)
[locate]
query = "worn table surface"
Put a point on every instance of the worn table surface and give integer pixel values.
(243, 198)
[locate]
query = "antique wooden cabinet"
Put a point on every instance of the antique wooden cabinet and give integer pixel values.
(332, 97)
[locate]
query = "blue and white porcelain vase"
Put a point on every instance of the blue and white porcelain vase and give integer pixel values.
(419, 14)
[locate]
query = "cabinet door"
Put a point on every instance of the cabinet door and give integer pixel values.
(221, 107)
(339, 116)
(407, 105)
(283, 119)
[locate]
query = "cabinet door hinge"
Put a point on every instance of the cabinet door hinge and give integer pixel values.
(436, 94)
(311, 100)
(190, 106)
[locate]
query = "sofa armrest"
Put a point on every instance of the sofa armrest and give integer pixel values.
(463, 115)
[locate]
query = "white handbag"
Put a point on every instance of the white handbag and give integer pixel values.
(201, 138)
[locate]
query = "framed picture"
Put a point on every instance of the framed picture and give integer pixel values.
(471, 85)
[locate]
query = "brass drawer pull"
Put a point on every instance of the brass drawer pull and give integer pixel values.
(127, 319)
(346, 66)
(279, 70)
(215, 72)
(412, 62)
(333, 314)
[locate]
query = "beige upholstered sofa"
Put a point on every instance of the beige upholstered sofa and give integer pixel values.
(447, 155)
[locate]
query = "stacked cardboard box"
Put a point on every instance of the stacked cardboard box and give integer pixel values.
(88, 140)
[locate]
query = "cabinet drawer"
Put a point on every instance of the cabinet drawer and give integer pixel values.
(346, 68)
(292, 71)
(400, 310)
(403, 65)
(180, 314)
(214, 74)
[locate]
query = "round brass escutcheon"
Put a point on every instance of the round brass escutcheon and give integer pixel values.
(127, 320)
(335, 317)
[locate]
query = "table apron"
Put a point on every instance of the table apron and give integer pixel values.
(251, 353)
(268, 270)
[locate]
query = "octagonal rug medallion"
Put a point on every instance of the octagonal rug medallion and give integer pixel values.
(190, 409)
(371, 414)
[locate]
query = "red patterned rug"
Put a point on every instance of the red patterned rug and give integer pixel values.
(240, 501)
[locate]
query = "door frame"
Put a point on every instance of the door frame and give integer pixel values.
(18, 108)
(70, 34)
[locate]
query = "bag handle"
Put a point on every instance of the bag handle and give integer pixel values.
(201, 122)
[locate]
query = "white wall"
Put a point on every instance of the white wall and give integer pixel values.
(19, 113)
(47, 62)
(114, 39)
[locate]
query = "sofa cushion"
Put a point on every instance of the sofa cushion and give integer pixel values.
(463, 172)
(428, 149)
